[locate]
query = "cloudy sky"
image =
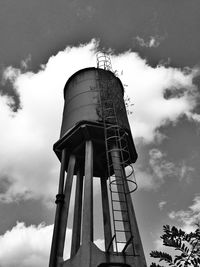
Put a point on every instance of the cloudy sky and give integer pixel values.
(155, 50)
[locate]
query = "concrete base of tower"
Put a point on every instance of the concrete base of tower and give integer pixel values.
(92, 256)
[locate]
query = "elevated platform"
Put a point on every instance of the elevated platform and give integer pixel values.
(74, 141)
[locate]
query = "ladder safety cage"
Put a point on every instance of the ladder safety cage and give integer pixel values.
(120, 175)
(103, 61)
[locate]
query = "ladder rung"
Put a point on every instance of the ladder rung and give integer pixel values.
(113, 137)
(116, 180)
(110, 150)
(119, 190)
(121, 220)
(113, 183)
(117, 183)
(111, 126)
(121, 210)
(116, 192)
(123, 231)
(118, 201)
(110, 116)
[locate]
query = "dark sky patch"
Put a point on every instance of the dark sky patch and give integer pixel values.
(182, 139)
(29, 211)
(13, 98)
(174, 92)
(5, 183)
(196, 82)
(43, 28)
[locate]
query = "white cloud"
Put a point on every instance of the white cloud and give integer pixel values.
(159, 244)
(162, 204)
(28, 246)
(146, 88)
(159, 169)
(185, 173)
(188, 218)
(194, 117)
(154, 41)
(145, 180)
(25, 62)
(26, 138)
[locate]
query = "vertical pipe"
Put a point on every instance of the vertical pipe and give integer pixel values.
(87, 232)
(76, 230)
(106, 215)
(65, 208)
(59, 201)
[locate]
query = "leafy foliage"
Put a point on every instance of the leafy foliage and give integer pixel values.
(188, 246)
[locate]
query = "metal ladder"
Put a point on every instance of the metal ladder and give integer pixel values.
(118, 161)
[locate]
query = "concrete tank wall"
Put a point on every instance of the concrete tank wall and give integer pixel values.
(84, 92)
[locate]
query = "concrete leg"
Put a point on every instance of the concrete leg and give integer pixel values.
(76, 230)
(106, 215)
(87, 225)
(87, 234)
(65, 208)
(138, 248)
(59, 202)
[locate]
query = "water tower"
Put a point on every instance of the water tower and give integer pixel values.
(96, 143)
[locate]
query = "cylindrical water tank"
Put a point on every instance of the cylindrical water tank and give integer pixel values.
(86, 91)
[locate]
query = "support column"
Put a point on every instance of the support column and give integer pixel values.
(87, 225)
(106, 215)
(65, 208)
(59, 201)
(87, 233)
(138, 248)
(76, 230)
